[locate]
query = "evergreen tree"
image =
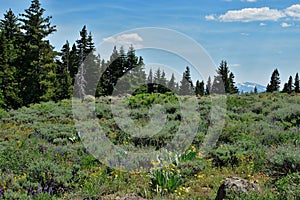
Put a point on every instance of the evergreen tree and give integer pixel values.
(150, 82)
(64, 80)
(223, 72)
(112, 71)
(119, 65)
(73, 63)
(218, 86)
(150, 76)
(186, 84)
(172, 84)
(157, 76)
(296, 84)
(163, 80)
(38, 70)
(10, 37)
(288, 87)
(224, 81)
(85, 49)
(138, 77)
(232, 87)
(199, 90)
(92, 64)
(285, 88)
(255, 90)
(162, 83)
(82, 45)
(208, 86)
(274, 84)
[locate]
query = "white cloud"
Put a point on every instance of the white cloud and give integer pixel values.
(210, 17)
(252, 14)
(285, 25)
(126, 40)
(262, 24)
(250, 0)
(245, 34)
(234, 65)
(293, 11)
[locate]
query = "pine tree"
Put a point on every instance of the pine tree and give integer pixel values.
(82, 43)
(150, 76)
(255, 90)
(223, 72)
(288, 87)
(186, 84)
(208, 86)
(232, 87)
(73, 63)
(218, 86)
(274, 84)
(92, 64)
(10, 39)
(119, 65)
(224, 81)
(199, 90)
(172, 84)
(162, 84)
(163, 80)
(285, 88)
(138, 77)
(38, 67)
(150, 82)
(157, 76)
(85, 49)
(113, 70)
(64, 80)
(296, 83)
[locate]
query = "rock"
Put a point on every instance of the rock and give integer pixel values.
(235, 185)
(89, 98)
(126, 197)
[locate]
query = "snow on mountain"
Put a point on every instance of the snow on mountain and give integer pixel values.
(248, 87)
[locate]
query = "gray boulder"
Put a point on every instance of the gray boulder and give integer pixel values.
(235, 185)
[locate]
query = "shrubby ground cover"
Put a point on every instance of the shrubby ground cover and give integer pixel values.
(42, 156)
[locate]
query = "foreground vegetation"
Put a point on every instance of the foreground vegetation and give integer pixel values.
(42, 157)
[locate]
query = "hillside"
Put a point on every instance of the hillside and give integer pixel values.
(42, 155)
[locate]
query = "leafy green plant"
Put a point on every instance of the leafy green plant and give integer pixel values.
(288, 187)
(285, 159)
(165, 180)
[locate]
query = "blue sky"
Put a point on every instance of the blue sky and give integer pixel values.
(254, 36)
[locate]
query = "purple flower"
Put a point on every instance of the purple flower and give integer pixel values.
(50, 190)
(46, 188)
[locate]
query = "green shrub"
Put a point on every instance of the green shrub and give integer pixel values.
(284, 160)
(47, 176)
(288, 187)
(225, 155)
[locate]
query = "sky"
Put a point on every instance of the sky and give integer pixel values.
(253, 36)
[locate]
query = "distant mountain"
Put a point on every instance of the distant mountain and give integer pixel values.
(249, 87)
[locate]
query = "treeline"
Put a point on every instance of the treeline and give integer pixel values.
(289, 87)
(32, 71)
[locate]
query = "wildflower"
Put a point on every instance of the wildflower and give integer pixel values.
(187, 189)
